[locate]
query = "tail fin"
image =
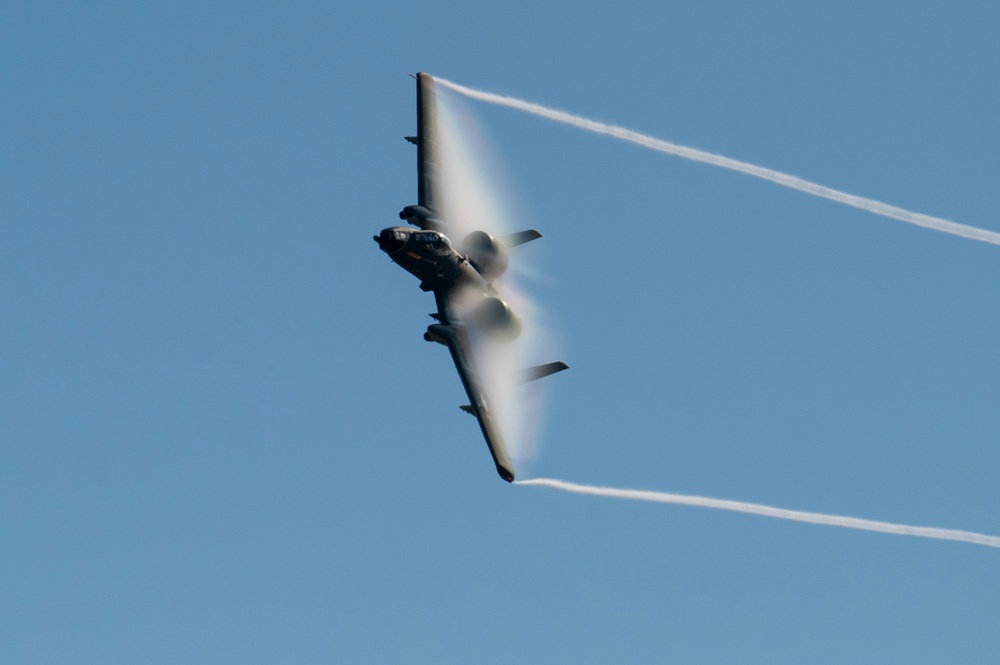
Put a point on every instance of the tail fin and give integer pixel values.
(519, 238)
(541, 371)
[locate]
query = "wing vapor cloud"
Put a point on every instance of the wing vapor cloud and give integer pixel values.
(475, 196)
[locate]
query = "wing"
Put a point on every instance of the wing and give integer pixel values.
(454, 335)
(426, 213)
(428, 160)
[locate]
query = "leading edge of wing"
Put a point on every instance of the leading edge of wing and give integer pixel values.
(457, 340)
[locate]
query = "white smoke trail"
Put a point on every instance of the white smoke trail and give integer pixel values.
(770, 511)
(870, 205)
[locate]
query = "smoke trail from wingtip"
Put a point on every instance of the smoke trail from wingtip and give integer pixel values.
(784, 179)
(770, 511)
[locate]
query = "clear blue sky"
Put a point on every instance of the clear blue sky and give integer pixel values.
(222, 438)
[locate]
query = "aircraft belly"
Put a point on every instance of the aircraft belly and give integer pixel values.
(434, 270)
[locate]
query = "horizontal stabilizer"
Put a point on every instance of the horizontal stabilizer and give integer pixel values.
(468, 409)
(519, 238)
(541, 371)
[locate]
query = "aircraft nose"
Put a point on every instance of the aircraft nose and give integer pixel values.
(390, 241)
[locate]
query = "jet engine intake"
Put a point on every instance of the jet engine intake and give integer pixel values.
(497, 320)
(486, 255)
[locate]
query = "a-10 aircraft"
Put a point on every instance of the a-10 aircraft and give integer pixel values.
(428, 254)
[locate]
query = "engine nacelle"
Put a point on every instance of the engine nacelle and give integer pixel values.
(496, 319)
(486, 255)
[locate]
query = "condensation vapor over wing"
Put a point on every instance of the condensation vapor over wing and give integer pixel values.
(474, 196)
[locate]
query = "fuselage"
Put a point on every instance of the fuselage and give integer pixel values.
(429, 256)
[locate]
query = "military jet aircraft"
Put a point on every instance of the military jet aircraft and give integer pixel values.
(429, 255)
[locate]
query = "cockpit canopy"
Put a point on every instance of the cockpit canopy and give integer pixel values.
(432, 241)
(394, 238)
